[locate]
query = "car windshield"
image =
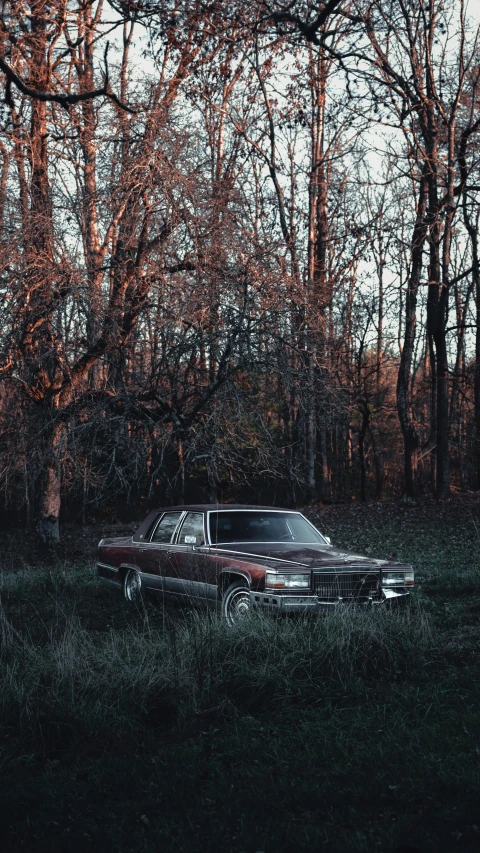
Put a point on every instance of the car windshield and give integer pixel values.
(261, 526)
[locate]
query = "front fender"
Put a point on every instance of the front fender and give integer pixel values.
(233, 572)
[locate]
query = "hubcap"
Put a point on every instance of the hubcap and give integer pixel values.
(133, 586)
(238, 605)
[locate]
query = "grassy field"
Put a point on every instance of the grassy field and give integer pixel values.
(147, 729)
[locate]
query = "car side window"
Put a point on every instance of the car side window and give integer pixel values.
(166, 527)
(191, 531)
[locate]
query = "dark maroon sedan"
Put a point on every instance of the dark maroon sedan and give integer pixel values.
(241, 557)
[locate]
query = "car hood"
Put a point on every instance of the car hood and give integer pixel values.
(313, 556)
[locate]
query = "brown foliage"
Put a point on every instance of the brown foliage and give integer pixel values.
(221, 290)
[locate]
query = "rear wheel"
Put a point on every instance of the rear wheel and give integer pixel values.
(132, 586)
(236, 603)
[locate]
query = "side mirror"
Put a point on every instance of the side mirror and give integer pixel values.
(329, 541)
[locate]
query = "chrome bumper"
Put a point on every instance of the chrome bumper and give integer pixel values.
(313, 604)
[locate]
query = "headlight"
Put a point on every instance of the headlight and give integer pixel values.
(397, 578)
(276, 581)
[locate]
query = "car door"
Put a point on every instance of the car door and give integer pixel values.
(152, 556)
(189, 570)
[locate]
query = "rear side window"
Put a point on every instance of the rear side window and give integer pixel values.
(166, 527)
(191, 532)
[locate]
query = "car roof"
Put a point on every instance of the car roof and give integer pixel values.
(214, 507)
(150, 518)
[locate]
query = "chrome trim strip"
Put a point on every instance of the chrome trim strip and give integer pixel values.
(107, 566)
(238, 571)
(174, 586)
(196, 591)
(149, 576)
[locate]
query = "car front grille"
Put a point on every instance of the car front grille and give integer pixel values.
(356, 585)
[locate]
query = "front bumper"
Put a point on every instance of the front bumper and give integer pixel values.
(313, 604)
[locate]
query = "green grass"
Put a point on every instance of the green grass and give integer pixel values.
(147, 729)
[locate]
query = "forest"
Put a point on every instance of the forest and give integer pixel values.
(239, 254)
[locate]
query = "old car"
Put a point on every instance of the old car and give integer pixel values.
(238, 557)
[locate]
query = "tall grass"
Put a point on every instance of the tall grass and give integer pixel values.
(161, 670)
(151, 728)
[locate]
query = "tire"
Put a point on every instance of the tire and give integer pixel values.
(236, 603)
(132, 586)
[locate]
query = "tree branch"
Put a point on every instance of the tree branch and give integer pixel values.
(64, 100)
(309, 31)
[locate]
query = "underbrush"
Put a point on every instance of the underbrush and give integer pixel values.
(155, 673)
(150, 728)
(186, 720)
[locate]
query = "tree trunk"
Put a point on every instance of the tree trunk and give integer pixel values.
(379, 468)
(180, 488)
(477, 375)
(85, 119)
(310, 442)
(318, 295)
(325, 483)
(442, 485)
(437, 314)
(361, 449)
(472, 228)
(409, 432)
(310, 434)
(50, 491)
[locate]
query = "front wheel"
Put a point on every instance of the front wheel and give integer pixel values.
(235, 603)
(132, 586)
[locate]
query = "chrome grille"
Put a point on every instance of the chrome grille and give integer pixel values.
(353, 585)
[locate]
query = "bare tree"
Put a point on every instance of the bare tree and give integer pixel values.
(52, 377)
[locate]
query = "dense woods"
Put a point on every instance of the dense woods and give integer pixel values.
(239, 253)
